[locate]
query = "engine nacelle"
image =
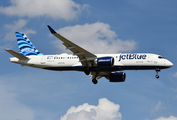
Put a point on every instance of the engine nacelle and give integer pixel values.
(104, 61)
(117, 77)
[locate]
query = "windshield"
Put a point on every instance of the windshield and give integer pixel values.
(160, 57)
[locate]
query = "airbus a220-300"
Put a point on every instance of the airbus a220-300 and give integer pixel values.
(97, 66)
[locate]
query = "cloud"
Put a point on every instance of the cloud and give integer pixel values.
(11, 109)
(96, 38)
(174, 89)
(3, 47)
(62, 9)
(17, 26)
(157, 107)
(175, 75)
(169, 118)
(106, 110)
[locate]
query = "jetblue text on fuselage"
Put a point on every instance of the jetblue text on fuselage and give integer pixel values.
(132, 56)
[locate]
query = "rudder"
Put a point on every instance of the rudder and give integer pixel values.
(25, 46)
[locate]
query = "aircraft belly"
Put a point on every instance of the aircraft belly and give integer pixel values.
(106, 69)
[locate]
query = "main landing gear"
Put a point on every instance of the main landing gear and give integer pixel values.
(157, 70)
(95, 81)
(87, 72)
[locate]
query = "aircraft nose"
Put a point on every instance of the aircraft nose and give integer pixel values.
(169, 64)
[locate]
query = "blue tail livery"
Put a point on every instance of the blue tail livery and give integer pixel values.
(25, 46)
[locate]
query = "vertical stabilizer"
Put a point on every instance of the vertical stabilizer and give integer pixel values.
(25, 46)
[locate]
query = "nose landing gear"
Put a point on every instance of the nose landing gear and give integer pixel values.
(157, 76)
(157, 70)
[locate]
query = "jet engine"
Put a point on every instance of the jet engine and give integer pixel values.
(117, 77)
(104, 61)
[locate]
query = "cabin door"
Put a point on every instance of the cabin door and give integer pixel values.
(43, 59)
(150, 58)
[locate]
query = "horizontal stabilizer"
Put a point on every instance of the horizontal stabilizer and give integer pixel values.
(17, 55)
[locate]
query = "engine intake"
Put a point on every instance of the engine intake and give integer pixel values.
(117, 77)
(105, 61)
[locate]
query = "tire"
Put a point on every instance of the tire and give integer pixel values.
(157, 76)
(95, 81)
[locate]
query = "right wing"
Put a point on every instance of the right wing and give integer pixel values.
(85, 56)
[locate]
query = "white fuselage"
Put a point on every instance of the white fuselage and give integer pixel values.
(124, 61)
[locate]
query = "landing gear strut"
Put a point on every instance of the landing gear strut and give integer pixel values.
(157, 70)
(95, 81)
(87, 72)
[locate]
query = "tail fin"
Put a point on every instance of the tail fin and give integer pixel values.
(25, 46)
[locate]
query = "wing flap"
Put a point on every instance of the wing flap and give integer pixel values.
(17, 55)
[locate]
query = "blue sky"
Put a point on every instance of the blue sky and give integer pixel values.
(101, 27)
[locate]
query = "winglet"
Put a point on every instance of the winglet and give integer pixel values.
(17, 55)
(51, 30)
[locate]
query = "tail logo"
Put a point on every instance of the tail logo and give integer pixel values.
(25, 46)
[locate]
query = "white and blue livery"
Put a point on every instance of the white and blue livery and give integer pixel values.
(97, 66)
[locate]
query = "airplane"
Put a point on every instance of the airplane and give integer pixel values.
(110, 66)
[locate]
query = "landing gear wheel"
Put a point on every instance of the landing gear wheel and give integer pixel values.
(157, 76)
(157, 70)
(95, 81)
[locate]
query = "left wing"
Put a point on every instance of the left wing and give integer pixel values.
(85, 57)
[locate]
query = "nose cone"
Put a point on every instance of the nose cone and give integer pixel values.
(168, 64)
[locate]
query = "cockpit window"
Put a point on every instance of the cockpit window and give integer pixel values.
(160, 57)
